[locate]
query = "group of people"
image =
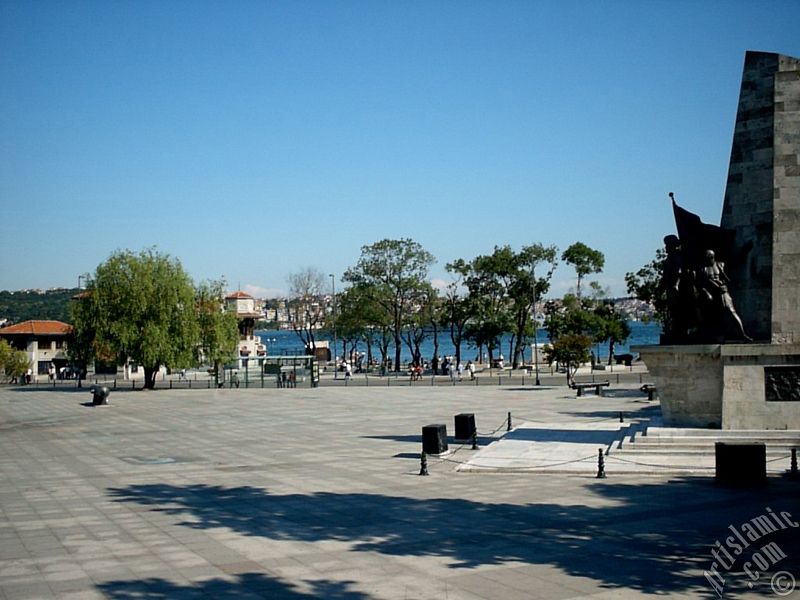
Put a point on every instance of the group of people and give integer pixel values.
(449, 366)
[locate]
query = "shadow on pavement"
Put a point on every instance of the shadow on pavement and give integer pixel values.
(245, 585)
(653, 537)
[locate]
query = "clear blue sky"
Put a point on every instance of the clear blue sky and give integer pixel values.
(252, 139)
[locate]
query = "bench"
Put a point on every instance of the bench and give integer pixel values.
(597, 385)
(650, 389)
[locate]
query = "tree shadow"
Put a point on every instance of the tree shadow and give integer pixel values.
(529, 388)
(643, 412)
(482, 440)
(623, 393)
(651, 537)
(245, 585)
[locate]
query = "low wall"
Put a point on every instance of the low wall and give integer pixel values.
(728, 386)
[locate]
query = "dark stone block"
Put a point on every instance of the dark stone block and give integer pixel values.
(741, 463)
(434, 439)
(465, 426)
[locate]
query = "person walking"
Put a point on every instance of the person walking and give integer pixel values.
(471, 370)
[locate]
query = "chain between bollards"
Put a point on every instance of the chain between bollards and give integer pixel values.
(601, 464)
(423, 464)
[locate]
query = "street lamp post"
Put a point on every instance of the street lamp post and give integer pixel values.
(333, 296)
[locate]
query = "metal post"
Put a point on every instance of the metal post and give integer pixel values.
(423, 464)
(793, 468)
(333, 297)
(509, 421)
(535, 333)
(621, 418)
(474, 440)
(601, 465)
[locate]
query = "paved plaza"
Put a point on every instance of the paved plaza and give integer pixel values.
(315, 493)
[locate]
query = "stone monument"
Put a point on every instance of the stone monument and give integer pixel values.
(743, 373)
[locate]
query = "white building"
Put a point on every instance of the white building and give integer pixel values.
(43, 341)
(247, 313)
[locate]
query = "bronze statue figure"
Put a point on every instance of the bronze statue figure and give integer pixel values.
(715, 301)
(699, 306)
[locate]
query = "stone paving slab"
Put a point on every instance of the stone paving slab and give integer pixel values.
(305, 493)
(560, 447)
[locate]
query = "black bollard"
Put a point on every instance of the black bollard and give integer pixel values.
(509, 421)
(621, 419)
(474, 440)
(793, 467)
(423, 464)
(601, 465)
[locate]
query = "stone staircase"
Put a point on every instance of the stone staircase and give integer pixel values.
(647, 446)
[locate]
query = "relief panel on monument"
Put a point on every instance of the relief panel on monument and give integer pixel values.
(782, 384)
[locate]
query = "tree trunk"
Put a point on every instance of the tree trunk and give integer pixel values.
(436, 345)
(610, 350)
(150, 377)
(397, 348)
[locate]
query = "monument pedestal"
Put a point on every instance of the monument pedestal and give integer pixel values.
(727, 386)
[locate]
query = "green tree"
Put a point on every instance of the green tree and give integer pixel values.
(422, 321)
(360, 317)
(219, 334)
(456, 308)
(82, 341)
(486, 278)
(585, 260)
(570, 350)
(13, 363)
(503, 287)
(525, 288)
(142, 309)
(611, 327)
(397, 272)
(29, 304)
(646, 284)
(570, 316)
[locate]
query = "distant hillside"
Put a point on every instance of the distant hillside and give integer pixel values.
(36, 304)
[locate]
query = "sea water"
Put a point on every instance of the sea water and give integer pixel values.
(280, 342)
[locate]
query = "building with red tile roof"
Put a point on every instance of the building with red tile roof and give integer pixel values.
(244, 306)
(43, 341)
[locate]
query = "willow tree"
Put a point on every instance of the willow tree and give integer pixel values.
(397, 270)
(141, 308)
